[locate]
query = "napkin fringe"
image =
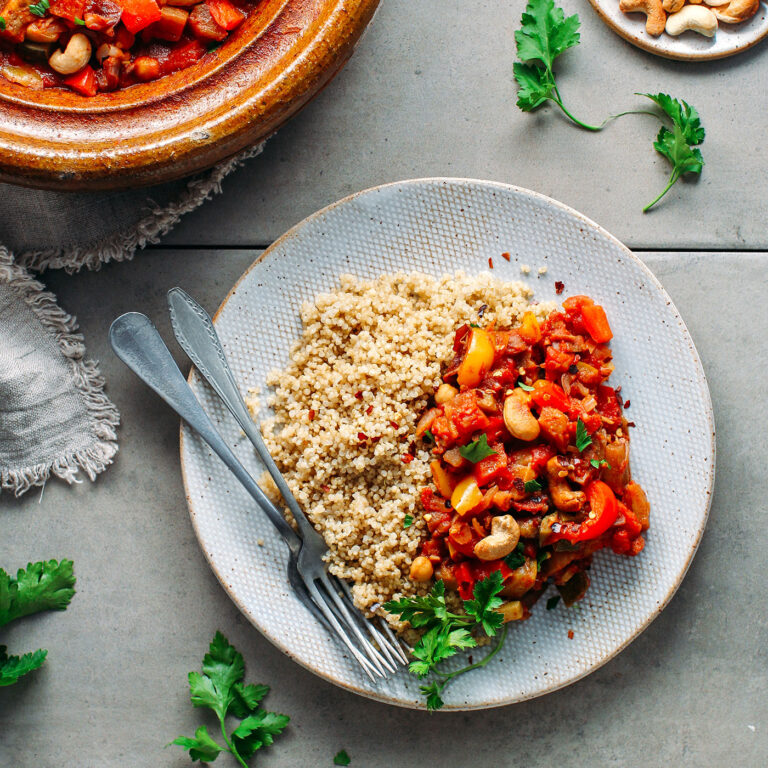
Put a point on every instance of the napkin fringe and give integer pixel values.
(98, 455)
(123, 245)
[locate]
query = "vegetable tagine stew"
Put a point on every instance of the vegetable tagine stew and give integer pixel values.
(531, 460)
(93, 46)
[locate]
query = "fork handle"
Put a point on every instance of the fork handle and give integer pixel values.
(197, 336)
(138, 344)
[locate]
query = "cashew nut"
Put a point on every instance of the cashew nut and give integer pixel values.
(695, 18)
(505, 533)
(74, 58)
(518, 418)
(421, 569)
(653, 9)
(511, 611)
(563, 496)
(736, 11)
(717, 2)
(673, 6)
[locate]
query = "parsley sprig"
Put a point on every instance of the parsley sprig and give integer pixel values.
(43, 586)
(679, 145)
(477, 450)
(220, 687)
(40, 9)
(583, 440)
(447, 633)
(2, 24)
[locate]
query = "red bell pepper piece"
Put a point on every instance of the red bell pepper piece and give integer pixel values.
(68, 9)
(546, 393)
(465, 580)
(490, 467)
(138, 14)
(84, 81)
(182, 56)
(225, 14)
(603, 506)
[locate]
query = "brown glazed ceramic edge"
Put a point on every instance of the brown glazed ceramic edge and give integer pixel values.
(189, 121)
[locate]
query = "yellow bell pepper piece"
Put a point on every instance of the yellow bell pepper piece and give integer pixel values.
(443, 480)
(478, 359)
(466, 496)
(530, 330)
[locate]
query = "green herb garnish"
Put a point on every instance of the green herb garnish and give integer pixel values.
(408, 522)
(341, 758)
(477, 450)
(542, 556)
(448, 633)
(40, 8)
(2, 24)
(523, 386)
(679, 144)
(428, 437)
(43, 586)
(79, 22)
(516, 558)
(552, 602)
(213, 46)
(583, 440)
(532, 486)
(220, 687)
(597, 463)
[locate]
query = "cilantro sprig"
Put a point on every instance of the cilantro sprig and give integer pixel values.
(583, 440)
(40, 9)
(447, 633)
(477, 450)
(220, 687)
(2, 23)
(679, 145)
(42, 586)
(545, 33)
(342, 758)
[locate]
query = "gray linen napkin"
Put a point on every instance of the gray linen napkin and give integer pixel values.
(55, 418)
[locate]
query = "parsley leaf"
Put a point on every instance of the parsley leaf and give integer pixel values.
(599, 463)
(477, 450)
(545, 32)
(40, 8)
(341, 758)
(679, 144)
(552, 602)
(531, 486)
(79, 22)
(583, 440)
(43, 586)
(14, 667)
(428, 437)
(448, 633)
(220, 687)
(408, 521)
(523, 386)
(2, 23)
(542, 556)
(516, 558)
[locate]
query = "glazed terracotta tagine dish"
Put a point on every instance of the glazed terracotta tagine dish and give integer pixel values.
(162, 100)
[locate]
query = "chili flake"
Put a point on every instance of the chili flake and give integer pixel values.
(506, 256)
(559, 287)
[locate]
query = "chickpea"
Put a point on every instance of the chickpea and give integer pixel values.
(421, 569)
(445, 392)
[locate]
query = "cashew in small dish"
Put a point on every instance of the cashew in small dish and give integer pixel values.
(653, 9)
(505, 533)
(672, 6)
(736, 11)
(563, 496)
(421, 569)
(74, 58)
(695, 18)
(511, 611)
(518, 418)
(715, 2)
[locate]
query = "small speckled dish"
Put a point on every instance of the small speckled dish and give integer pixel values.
(690, 46)
(439, 226)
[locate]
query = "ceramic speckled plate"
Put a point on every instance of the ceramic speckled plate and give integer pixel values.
(690, 46)
(438, 226)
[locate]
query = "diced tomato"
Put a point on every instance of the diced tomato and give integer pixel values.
(138, 14)
(101, 15)
(465, 414)
(432, 548)
(182, 56)
(545, 393)
(496, 430)
(68, 9)
(84, 81)
(555, 427)
(170, 26)
(557, 362)
(596, 323)
(490, 467)
(124, 39)
(465, 580)
(482, 569)
(225, 14)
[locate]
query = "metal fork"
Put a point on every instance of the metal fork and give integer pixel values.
(197, 336)
(138, 344)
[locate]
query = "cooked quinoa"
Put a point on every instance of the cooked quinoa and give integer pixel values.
(346, 407)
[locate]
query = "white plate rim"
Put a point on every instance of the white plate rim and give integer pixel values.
(195, 378)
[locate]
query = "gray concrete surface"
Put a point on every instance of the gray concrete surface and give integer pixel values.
(690, 691)
(430, 92)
